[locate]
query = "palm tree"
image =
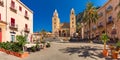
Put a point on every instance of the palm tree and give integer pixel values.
(78, 27)
(90, 15)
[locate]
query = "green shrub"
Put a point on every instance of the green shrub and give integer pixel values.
(48, 45)
(33, 48)
(37, 47)
(21, 40)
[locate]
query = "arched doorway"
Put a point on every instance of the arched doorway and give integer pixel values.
(0, 35)
(60, 34)
(63, 33)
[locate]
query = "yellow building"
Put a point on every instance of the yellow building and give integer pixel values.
(63, 29)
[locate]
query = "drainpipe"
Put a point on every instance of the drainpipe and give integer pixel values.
(6, 14)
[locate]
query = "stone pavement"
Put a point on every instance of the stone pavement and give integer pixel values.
(64, 51)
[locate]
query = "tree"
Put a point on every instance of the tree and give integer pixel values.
(90, 15)
(105, 39)
(21, 41)
(43, 33)
(78, 27)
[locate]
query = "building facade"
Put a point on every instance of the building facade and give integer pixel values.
(15, 19)
(63, 29)
(107, 21)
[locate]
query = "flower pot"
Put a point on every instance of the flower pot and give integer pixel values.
(105, 52)
(3, 50)
(0, 49)
(25, 54)
(114, 55)
(11, 53)
(7, 51)
(111, 47)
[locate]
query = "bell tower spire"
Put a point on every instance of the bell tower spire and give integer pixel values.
(72, 22)
(55, 23)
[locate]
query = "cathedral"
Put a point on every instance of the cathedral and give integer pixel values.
(63, 29)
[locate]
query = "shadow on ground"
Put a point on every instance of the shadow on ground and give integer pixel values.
(93, 52)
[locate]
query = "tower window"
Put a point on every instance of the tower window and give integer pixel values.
(72, 22)
(54, 18)
(72, 25)
(55, 23)
(72, 13)
(72, 18)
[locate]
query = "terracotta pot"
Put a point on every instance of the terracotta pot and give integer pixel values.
(0, 49)
(105, 52)
(25, 54)
(11, 53)
(111, 47)
(114, 55)
(3, 50)
(16, 54)
(7, 51)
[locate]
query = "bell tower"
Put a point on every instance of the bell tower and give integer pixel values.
(55, 23)
(72, 22)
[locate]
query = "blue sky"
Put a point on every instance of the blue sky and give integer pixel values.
(43, 10)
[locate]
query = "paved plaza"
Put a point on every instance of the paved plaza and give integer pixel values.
(64, 51)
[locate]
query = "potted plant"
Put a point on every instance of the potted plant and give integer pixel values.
(105, 39)
(44, 44)
(48, 44)
(115, 51)
(37, 47)
(33, 48)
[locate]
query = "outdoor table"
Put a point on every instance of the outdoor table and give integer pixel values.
(31, 45)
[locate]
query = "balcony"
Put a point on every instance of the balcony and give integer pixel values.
(100, 14)
(13, 9)
(94, 27)
(26, 17)
(3, 22)
(13, 27)
(109, 8)
(100, 25)
(1, 3)
(110, 20)
(27, 30)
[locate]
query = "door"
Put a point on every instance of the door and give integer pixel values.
(12, 38)
(0, 35)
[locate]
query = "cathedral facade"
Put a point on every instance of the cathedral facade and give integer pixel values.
(63, 29)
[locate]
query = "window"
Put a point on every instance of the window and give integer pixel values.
(12, 22)
(12, 38)
(26, 26)
(72, 18)
(0, 16)
(26, 13)
(20, 8)
(55, 19)
(73, 26)
(72, 22)
(12, 4)
(110, 18)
